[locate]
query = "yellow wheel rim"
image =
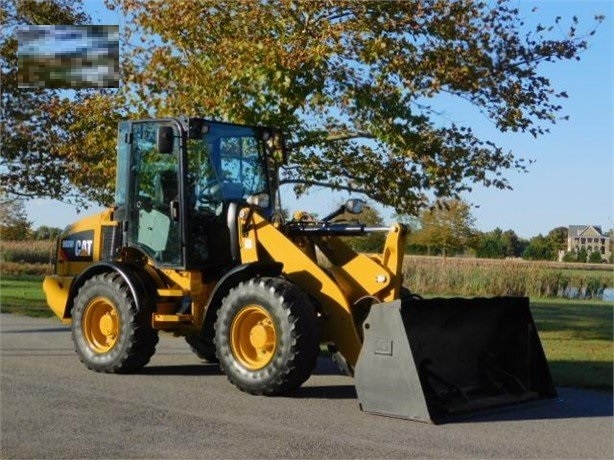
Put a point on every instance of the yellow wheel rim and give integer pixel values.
(253, 339)
(100, 324)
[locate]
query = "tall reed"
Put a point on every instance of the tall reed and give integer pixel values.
(487, 277)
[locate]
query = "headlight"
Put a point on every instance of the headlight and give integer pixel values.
(261, 200)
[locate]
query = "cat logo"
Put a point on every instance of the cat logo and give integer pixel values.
(83, 248)
(78, 247)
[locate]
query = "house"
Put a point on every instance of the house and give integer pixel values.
(590, 238)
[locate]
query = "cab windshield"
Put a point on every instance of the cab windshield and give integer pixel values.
(227, 164)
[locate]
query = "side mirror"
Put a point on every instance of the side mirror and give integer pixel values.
(354, 206)
(166, 139)
(351, 206)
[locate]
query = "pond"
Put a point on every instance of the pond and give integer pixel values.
(572, 292)
(608, 294)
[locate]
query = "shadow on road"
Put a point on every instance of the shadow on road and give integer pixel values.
(326, 366)
(325, 392)
(571, 404)
(197, 369)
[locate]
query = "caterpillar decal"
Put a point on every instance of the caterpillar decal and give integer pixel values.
(78, 247)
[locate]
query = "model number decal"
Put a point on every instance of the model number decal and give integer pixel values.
(79, 247)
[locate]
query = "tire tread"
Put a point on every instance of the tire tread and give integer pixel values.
(140, 343)
(303, 347)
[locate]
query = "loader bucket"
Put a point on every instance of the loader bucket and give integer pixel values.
(433, 360)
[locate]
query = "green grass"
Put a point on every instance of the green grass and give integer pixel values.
(23, 296)
(577, 335)
(577, 338)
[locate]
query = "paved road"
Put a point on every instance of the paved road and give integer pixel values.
(176, 407)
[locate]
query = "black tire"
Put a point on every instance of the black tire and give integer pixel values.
(108, 331)
(203, 348)
(407, 294)
(283, 346)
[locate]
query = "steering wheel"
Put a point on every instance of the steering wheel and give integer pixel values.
(144, 203)
(209, 193)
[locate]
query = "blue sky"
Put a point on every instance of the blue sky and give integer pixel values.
(571, 181)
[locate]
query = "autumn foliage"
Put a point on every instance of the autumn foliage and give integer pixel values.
(354, 85)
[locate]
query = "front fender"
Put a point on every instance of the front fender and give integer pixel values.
(230, 279)
(140, 283)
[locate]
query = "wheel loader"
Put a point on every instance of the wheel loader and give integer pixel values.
(196, 245)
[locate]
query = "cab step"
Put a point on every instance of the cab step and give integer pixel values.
(171, 321)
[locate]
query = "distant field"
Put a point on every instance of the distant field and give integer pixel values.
(28, 252)
(422, 274)
(576, 335)
(30, 258)
(487, 277)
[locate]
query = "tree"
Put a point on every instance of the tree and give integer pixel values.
(514, 245)
(89, 126)
(490, 245)
(46, 233)
(354, 84)
(14, 223)
(548, 247)
(539, 248)
(499, 244)
(557, 237)
(32, 134)
(595, 257)
(582, 255)
(446, 227)
(570, 257)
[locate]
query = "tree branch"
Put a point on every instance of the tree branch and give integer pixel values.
(335, 137)
(349, 188)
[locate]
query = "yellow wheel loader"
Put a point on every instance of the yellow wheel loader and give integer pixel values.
(196, 245)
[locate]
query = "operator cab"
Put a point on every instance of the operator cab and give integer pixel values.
(180, 184)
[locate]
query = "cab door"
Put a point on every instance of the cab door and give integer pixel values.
(154, 198)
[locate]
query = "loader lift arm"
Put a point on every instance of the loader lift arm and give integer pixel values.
(351, 277)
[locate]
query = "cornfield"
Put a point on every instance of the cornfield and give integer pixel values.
(19, 258)
(27, 252)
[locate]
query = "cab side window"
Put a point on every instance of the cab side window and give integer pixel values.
(155, 179)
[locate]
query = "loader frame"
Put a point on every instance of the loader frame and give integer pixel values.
(273, 285)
